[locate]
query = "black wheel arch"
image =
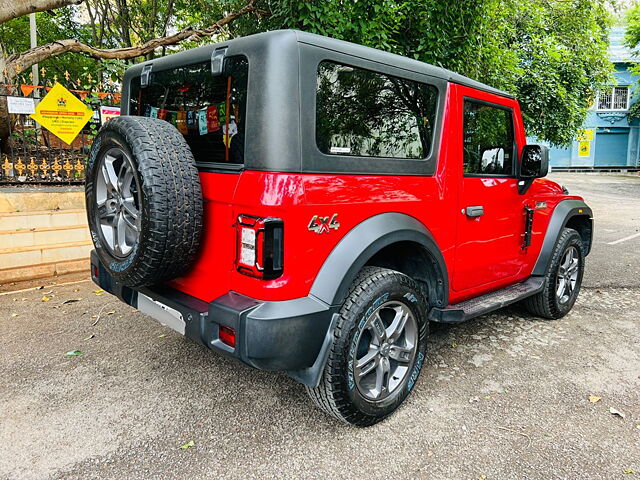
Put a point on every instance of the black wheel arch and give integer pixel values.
(391, 240)
(570, 213)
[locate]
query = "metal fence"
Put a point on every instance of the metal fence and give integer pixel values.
(32, 154)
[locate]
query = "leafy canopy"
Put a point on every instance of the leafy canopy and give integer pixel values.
(632, 40)
(14, 38)
(632, 32)
(107, 24)
(551, 54)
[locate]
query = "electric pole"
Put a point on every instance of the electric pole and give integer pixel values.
(33, 34)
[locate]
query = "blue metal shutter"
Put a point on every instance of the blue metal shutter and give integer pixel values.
(611, 148)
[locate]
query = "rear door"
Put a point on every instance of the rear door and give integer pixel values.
(490, 222)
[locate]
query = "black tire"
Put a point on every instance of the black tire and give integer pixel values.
(164, 187)
(338, 394)
(547, 303)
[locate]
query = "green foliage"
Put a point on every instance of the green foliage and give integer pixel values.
(632, 32)
(117, 24)
(634, 110)
(551, 54)
(14, 38)
(101, 24)
(564, 57)
(632, 40)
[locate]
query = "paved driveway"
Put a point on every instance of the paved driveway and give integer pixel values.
(503, 397)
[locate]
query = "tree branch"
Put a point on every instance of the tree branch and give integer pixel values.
(10, 9)
(17, 63)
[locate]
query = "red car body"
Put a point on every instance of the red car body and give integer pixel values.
(461, 235)
(482, 254)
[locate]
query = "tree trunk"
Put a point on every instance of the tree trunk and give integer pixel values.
(4, 124)
(15, 64)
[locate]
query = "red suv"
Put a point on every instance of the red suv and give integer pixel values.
(308, 205)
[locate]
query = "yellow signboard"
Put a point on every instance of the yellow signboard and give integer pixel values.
(584, 148)
(62, 113)
(586, 134)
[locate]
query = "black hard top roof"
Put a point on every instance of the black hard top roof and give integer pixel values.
(392, 59)
(276, 38)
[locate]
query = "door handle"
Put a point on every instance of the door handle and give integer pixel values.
(475, 211)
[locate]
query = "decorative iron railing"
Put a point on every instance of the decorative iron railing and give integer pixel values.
(31, 154)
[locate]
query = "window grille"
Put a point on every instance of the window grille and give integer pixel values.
(620, 98)
(614, 98)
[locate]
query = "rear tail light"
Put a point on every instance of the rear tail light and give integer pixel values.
(260, 247)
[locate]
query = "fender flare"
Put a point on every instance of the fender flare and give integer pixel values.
(362, 242)
(564, 211)
(348, 257)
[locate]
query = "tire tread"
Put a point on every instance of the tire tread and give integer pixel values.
(330, 395)
(172, 201)
(543, 304)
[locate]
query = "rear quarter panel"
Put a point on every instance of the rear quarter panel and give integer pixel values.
(296, 198)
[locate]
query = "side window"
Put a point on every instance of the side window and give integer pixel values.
(488, 139)
(364, 113)
(209, 111)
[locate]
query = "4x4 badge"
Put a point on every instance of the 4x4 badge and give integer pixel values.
(323, 224)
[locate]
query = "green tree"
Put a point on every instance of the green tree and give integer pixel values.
(632, 40)
(632, 32)
(52, 26)
(551, 54)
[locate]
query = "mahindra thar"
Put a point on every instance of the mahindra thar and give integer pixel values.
(308, 205)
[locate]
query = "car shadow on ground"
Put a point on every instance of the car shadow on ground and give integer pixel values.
(246, 393)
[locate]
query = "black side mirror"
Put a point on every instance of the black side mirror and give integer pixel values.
(534, 162)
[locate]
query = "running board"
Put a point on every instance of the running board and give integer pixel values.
(463, 311)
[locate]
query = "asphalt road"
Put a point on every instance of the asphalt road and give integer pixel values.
(505, 396)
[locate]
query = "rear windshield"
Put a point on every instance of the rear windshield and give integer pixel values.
(209, 111)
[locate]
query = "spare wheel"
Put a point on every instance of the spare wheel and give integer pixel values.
(144, 201)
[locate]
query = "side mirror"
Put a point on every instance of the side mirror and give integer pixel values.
(534, 162)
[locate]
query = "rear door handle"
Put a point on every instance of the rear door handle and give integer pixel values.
(475, 211)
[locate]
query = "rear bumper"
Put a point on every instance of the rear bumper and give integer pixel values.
(285, 335)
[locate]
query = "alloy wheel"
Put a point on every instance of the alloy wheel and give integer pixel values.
(386, 349)
(567, 276)
(118, 202)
